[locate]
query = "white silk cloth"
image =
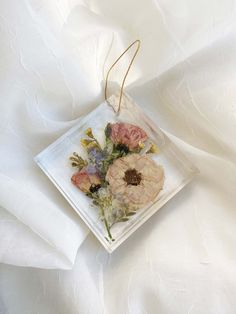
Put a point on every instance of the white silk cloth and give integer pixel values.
(53, 57)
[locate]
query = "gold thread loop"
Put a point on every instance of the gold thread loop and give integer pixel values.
(138, 42)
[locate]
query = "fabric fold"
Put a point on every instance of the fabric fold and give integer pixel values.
(56, 234)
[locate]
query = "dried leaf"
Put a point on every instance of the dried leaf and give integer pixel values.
(131, 213)
(123, 219)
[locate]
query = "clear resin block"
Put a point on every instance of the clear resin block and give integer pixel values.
(54, 161)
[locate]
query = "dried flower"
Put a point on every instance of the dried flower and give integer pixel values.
(89, 133)
(91, 142)
(153, 149)
(85, 142)
(77, 161)
(118, 182)
(87, 179)
(128, 135)
(103, 199)
(95, 155)
(135, 179)
(96, 158)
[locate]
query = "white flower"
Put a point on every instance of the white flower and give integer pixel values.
(136, 180)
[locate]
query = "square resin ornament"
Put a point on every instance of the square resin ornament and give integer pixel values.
(116, 171)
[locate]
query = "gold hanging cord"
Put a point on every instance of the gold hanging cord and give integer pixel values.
(138, 42)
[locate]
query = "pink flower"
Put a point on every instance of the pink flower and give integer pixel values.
(87, 179)
(126, 134)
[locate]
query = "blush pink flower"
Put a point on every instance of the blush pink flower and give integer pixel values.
(126, 134)
(87, 179)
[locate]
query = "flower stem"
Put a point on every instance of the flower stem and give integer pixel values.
(108, 229)
(107, 225)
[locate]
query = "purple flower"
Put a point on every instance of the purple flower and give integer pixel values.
(95, 155)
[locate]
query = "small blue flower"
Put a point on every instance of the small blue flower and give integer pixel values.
(95, 155)
(91, 169)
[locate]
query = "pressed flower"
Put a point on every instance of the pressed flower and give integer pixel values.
(87, 179)
(117, 178)
(96, 158)
(130, 136)
(153, 149)
(135, 180)
(90, 142)
(85, 142)
(89, 133)
(77, 161)
(95, 155)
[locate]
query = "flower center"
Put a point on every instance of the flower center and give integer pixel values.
(132, 177)
(94, 188)
(122, 148)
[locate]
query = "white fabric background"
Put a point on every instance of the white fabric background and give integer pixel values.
(52, 56)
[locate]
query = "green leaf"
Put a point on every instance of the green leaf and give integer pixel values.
(108, 130)
(123, 219)
(131, 213)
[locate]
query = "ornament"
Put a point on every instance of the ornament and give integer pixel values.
(116, 167)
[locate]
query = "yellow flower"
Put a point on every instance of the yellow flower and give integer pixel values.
(141, 145)
(153, 149)
(136, 180)
(88, 144)
(89, 133)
